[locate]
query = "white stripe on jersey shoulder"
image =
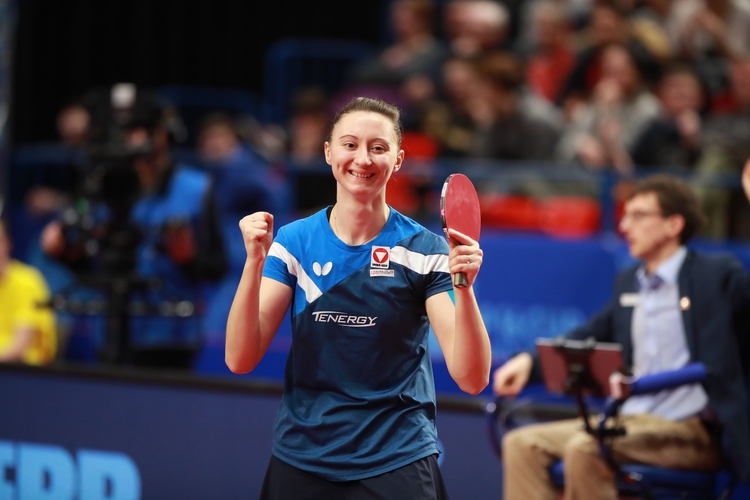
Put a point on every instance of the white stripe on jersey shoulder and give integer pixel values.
(312, 292)
(420, 263)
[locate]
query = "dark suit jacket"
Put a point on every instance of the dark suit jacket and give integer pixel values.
(717, 327)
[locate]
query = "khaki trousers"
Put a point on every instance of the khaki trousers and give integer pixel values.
(528, 452)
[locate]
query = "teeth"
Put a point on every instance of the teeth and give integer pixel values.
(363, 176)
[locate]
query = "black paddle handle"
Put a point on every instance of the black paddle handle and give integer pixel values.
(460, 281)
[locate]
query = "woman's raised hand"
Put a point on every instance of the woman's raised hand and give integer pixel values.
(257, 233)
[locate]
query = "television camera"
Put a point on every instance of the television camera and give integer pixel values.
(101, 240)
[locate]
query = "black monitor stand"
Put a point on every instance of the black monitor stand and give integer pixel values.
(581, 381)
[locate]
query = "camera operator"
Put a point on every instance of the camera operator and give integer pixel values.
(143, 229)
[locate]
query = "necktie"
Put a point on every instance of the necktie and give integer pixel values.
(653, 282)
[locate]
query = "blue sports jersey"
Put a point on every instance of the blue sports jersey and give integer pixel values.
(359, 394)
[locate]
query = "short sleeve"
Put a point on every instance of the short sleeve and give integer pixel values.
(280, 263)
(437, 276)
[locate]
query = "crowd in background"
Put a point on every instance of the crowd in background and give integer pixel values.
(620, 86)
(598, 85)
(594, 85)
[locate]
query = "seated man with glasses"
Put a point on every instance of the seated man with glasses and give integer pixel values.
(676, 307)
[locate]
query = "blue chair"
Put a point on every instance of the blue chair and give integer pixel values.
(633, 480)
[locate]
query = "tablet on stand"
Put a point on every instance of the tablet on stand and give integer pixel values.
(579, 367)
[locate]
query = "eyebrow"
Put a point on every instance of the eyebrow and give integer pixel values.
(358, 138)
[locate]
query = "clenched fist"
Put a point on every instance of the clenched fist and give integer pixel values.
(257, 233)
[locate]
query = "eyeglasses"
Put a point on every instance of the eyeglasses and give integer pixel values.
(638, 216)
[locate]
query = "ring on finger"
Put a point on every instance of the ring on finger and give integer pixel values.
(468, 259)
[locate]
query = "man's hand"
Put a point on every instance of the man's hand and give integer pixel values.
(52, 239)
(746, 179)
(509, 379)
(179, 242)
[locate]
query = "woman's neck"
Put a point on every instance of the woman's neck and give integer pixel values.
(358, 225)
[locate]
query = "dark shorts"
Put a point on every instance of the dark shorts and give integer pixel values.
(420, 480)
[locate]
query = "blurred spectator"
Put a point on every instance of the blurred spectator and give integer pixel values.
(142, 219)
(731, 130)
(673, 139)
(218, 143)
(448, 119)
(406, 71)
(463, 116)
(726, 146)
(648, 22)
(657, 21)
(308, 126)
(710, 33)
(505, 130)
(42, 201)
(415, 50)
(604, 129)
(475, 27)
(243, 182)
(72, 125)
(552, 56)
(608, 24)
(737, 99)
(27, 325)
(575, 12)
(309, 175)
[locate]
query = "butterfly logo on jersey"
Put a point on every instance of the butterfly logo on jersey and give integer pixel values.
(322, 271)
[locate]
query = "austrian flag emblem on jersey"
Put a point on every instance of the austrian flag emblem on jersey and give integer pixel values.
(380, 257)
(380, 261)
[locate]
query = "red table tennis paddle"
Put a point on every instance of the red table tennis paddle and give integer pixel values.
(459, 210)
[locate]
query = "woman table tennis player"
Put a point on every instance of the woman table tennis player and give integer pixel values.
(364, 282)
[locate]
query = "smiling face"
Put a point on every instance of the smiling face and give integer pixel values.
(363, 153)
(651, 236)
